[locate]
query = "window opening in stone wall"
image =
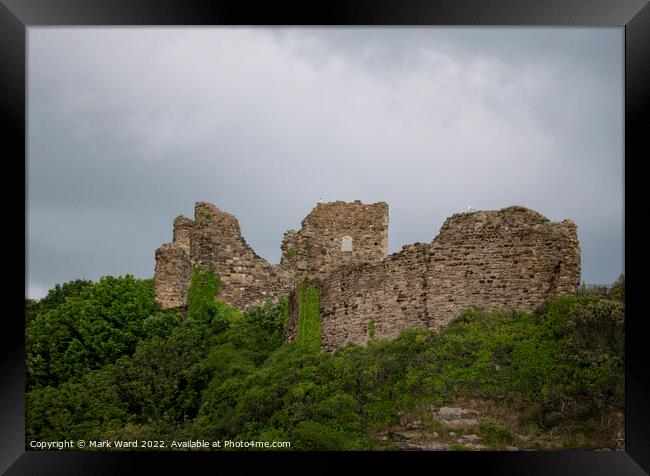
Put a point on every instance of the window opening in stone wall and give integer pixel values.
(346, 244)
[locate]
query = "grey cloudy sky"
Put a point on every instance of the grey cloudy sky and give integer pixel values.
(128, 127)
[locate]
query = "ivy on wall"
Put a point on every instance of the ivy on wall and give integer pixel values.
(203, 289)
(309, 327)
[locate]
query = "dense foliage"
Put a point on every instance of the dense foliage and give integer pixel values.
(55, 296)
(106, 363)
(83, 327)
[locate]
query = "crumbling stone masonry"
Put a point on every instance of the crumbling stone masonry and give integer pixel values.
(336, 234)
(512, 257)
(173, 266)
(213, 239)
(509, 258)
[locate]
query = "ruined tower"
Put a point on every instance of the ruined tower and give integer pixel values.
(336, 234)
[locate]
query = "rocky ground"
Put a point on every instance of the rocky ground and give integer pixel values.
(472, 427)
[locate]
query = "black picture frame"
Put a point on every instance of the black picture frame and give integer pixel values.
(634, 15)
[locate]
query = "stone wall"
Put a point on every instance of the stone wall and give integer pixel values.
(512, 257)
(509, 258)
(214, 240)
(391, 293)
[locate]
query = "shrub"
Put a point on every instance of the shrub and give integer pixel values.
(597, 327)
(270, 316)
(617, 290)
(494, 432)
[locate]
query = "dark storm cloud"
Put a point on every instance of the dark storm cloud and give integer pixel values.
(129, 127)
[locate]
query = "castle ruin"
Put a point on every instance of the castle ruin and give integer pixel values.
(513, 257)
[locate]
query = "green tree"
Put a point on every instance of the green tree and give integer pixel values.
(87, 330)
(270, 316)
(60, 292)
(55, 297)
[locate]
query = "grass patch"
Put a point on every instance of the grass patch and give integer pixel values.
(459, 447)
(493, 432)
